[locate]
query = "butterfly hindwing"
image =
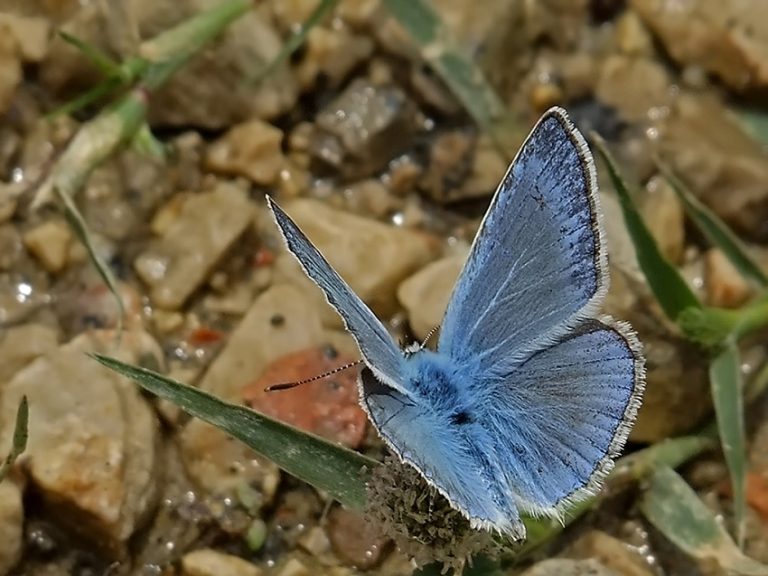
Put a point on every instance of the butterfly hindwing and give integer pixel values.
(560, 419)
(538, 261)
(378, 349)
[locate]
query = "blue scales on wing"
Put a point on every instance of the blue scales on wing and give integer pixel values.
(529, 398)
(378, 349)
(560, 419)
(447, 450)
(538, 261)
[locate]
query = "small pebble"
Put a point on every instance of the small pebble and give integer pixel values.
(208, 562)
(49, 244)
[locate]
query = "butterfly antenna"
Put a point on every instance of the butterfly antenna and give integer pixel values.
(429, 335)
(288, 385)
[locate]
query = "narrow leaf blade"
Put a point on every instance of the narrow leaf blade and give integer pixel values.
(327, 466)
(296, 39)
(80, 228)
(727, 396)
(462, 76)
(99, 59)
(716, 231)
(20, 436)
(678, 513)
(667, 284)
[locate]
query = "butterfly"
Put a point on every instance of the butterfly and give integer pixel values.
(530, 394)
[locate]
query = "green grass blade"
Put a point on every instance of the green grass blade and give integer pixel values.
(325, 465)
(458, 71)
(20, 436)
(756, 123)
(727, 396)
(296, 40)
(716, 231)
(95, 141)
(80, 228)
(182, 41)
(667, 284)
(103, 62)
(145, 142)
(678, 513)
(101, 90)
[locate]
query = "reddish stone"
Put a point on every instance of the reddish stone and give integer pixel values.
(202, 336)
(327, 407)
(263, 257)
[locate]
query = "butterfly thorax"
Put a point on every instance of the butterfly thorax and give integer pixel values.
(436, 379)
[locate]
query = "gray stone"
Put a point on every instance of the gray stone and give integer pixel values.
(206, 227)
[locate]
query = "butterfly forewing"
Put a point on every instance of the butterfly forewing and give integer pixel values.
(538, 261)
(378, 349)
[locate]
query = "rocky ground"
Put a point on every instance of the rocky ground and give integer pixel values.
(379, 164)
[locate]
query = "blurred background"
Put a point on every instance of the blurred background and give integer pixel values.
(137, 143)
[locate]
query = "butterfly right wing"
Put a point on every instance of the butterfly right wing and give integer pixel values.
(379, 351)
(560, 419)
(538, 264)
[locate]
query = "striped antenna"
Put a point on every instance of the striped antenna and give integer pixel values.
(289, 385)
(429, 335)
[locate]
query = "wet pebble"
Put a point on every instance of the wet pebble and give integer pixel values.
(293, 567)
(363, 128)
(208, 224)
(633, 86)
(32, 34)
(330, 55)
(10, 69)
(718, 160)
(664, 215)
(727, 39)
(252, 150)
(725, 286)
(11, 525)
(92, 451)
(677, 388)
(22, 344)
(49, 243)
(565, 567)
(611, 553)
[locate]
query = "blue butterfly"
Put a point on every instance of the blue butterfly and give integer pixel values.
(530, 396)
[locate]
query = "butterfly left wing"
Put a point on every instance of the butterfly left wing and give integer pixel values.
(560, 419)
(379, 351)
